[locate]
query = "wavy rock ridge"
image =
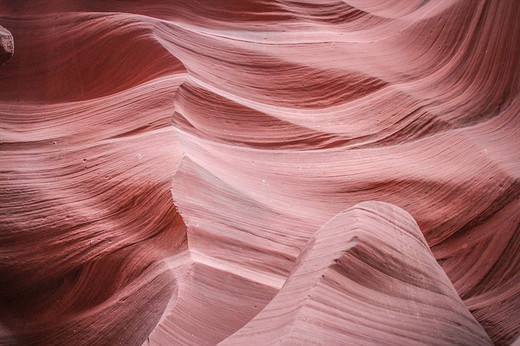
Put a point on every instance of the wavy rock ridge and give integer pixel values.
(367, 276)
(165, 168)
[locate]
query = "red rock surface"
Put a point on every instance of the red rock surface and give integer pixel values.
(367, 276)
(166, 165)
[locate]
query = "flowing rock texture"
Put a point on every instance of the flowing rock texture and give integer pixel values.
(366, 276)
(190, 172)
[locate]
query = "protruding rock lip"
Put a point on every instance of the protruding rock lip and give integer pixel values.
(6, 45)
(367, 263)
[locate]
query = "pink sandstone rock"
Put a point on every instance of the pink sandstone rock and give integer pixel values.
(366, 277)
(164, 164)
(6, 45)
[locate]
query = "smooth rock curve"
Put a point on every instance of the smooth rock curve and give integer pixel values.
(366, 277)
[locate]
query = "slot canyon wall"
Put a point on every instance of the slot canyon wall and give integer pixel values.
(259, 172)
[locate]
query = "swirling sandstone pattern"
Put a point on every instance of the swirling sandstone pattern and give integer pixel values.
(165, 167)
(366, 276)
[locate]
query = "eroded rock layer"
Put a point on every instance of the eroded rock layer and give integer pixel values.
(163, 164)
(367, 276)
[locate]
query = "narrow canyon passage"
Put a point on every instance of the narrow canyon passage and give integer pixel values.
(167, 168)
